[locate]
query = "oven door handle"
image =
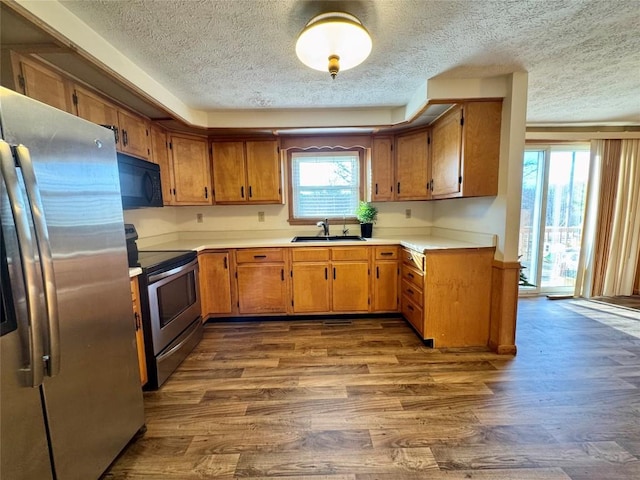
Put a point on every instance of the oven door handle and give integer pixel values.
(188, 334)
(155, 277)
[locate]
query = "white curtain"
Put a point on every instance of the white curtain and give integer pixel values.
(584, 281)
(625, 235)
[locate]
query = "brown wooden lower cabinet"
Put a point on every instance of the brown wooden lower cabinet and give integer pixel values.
(262, 281)
(385, 279)
(215, 283)
(137, 318)
(444, 294)
(330, 280)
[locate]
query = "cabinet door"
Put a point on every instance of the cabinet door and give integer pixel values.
(382, 170)
(350, 286)
(261, 288)
(95, 109)
(229, 175)
(311, 288)
(446, 149)
(134, 134)
(160, 155)
(385, 286)
(412, 175)
(264, 175)
(42, 84)
(215, 283)
(190, 171)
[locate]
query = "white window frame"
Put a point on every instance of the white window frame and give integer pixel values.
(317, 153)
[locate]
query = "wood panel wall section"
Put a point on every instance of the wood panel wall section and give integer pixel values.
(504, 307)
(636, 284)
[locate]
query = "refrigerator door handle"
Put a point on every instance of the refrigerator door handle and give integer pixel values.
(46, 259)
(35, 371)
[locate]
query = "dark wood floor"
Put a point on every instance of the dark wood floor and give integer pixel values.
(303, 399)
(627, 301)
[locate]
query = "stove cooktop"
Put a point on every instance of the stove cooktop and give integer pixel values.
(152, 261)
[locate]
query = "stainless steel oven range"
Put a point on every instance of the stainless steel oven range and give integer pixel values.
(170, 302)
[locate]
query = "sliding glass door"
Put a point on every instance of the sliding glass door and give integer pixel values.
(554, 182)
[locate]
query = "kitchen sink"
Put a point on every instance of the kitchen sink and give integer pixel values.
(334, 238)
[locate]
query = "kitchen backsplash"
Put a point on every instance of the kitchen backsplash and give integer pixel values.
(153, 222)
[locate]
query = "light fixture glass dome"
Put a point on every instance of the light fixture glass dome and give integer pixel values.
(333, 41)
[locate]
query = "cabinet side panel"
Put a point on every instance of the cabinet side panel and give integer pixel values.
(458, 297)
(481, 148)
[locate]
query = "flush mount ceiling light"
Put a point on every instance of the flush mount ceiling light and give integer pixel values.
(333, 41)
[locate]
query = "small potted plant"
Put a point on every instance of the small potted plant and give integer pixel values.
(367, 215)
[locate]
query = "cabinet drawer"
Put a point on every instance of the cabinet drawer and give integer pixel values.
(413, 258)
(310, 254)
(412, 292)
(386, 253)
(413, 313)
(350, 253)
(412, 275)
(260, 255)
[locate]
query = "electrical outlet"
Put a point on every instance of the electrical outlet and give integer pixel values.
(199, 218)
(407, 213)
(261, 216)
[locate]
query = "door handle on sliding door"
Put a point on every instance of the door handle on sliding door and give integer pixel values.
(46, 259)
(35, 370)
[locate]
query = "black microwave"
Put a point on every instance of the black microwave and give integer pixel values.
(139, 182)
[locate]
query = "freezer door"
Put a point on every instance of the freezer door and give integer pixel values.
(94, 404)
(24, 452)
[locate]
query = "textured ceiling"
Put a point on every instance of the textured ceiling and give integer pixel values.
(583, 56)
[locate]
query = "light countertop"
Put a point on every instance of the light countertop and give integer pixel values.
(134, 271)
(418, 243)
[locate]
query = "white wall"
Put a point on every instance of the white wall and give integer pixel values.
(498, 215)
(152, 222)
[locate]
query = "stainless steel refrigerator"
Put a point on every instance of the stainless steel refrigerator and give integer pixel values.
(70, 397)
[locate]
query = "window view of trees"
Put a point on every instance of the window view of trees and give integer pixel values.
(325, 185)
(552, 214)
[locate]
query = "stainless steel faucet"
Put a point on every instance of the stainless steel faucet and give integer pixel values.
(325, 226)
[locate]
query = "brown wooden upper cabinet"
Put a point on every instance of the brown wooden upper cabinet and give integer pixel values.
(405, 175)
(465, 150)
(412, 174)
(131, 131)
(35, 80)
(382, 177)
(160, 155)
(190, 170)
(247, 172)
